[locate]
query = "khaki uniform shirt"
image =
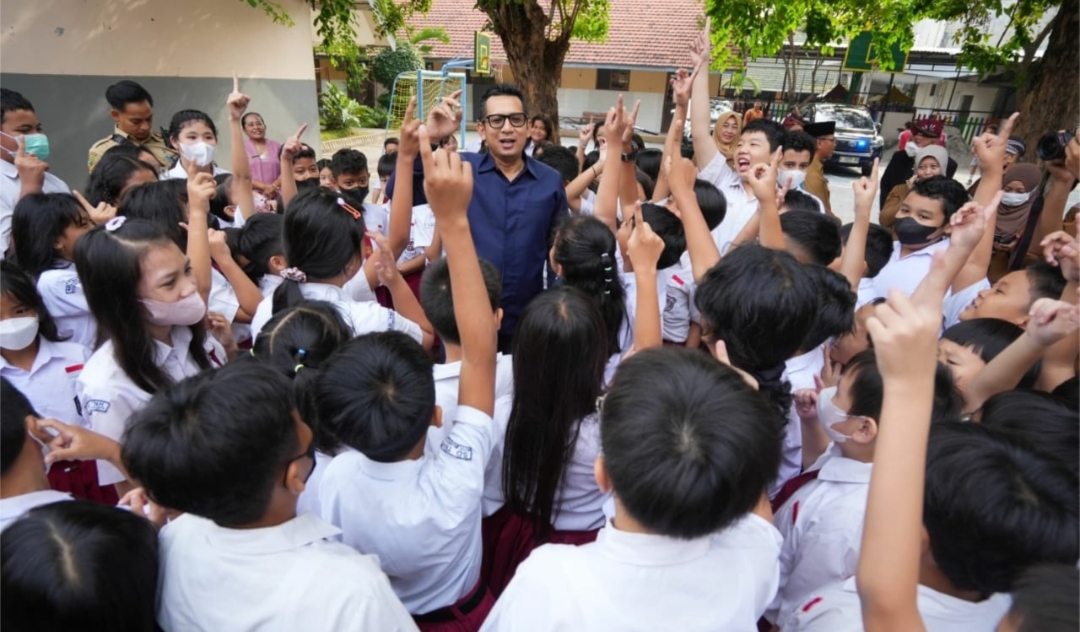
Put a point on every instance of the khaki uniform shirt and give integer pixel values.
(155, 145)
(817, 184)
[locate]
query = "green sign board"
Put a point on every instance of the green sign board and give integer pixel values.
(860, 56)
(482, 54)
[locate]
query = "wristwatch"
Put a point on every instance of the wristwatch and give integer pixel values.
(630, 157)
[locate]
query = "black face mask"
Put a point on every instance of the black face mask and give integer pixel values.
(304, 185)
(911, 233)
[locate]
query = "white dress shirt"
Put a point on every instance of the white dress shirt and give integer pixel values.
(10, 188)
(800, 372)
(421, 517)
(293, 576)
(11, 509)
(50, 382)
(363, 317)
(222, 299)
(108, 397)
(179, 172)
(836, 608)
(635, 581)
(741, 205)
(822, 529)
(63, 296)
(955, 303)
(679, 308)
(905, 273)
(866, 293)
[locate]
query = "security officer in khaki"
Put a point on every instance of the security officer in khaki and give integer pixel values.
(133, 111)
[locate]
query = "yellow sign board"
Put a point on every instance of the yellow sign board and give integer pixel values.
(482, 54)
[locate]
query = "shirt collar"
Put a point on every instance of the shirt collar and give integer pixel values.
(181, 342)
(47, 351)
(927, 251)
(810, 359)
(446, 371)
(396, 471)
(487, 163)
(9, 170)
(18, 505)
(649, 549)
(301, 531)
(839, 469)
(322, 291)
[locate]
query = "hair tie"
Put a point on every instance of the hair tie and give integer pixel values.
(115, 223)
(605, 258)
(296, 369)
(294, 274)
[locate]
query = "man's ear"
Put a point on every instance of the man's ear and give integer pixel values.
(115, 115)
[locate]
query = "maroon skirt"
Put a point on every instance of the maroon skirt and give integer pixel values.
(382, 295)
(80, 479)
(509, 538)
(467, 615)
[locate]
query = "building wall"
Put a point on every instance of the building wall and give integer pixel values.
(983, 101)
(62, 55)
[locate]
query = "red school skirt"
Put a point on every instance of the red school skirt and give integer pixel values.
(382, 295)
(509, 538)
(467, 615)
(80, 479)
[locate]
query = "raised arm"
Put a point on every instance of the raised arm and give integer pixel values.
(607, 195)
(905, 340)
(1059, 361)
(584, 136)
(241, 169)
(448, 182)
(704, 254)
(969, 225)
(402, 202)
(853, 261)
(628, 193)
(200, 188)
(762, 179)
(288, 151)
(580, 184)
(700, 54)
(644, 250)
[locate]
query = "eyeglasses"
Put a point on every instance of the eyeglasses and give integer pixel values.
(497, 121)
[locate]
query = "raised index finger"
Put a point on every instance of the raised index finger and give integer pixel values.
(1006, 129)
(874, 171)
(235, 83)
(300, 132)
(85, 203)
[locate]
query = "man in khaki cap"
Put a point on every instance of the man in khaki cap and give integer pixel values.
(133, 111)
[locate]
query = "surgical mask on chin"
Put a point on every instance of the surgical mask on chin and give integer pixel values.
(185, 312)
(1014, 199)
(44, 449)
(829, 415)
(199, 152)
(17, 334)
(910, 232)
(911, 149)
(37, 144)
(796, 177)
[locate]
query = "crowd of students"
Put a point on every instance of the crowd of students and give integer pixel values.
(533, 389)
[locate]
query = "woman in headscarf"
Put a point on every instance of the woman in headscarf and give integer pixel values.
(929, 161)
(726, 135)
(1020, 190)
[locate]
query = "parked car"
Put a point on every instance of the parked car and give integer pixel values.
(717, 106)
(858, 140)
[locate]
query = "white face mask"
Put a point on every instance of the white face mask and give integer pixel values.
(1014, 199)
(796, 177)
(911, 149)
(202, 154)
(17, 334)
(829, 415)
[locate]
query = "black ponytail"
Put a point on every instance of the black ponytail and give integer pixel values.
(585, 248)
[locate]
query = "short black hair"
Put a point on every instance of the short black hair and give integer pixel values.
(647, 184)
(987, 337)
(121, 93)
(376, 395)
(711, 201)
(386, 165)
(260, 239)
(322, 163)
(183, 118)
(351, 161)
(39, 220)
(438, 301)
(684, 444)
(949, 192)
(390, 141)
(670, 229)
(1045, 281)
(772, 130)
(79, 565)
(14, 409)
(795, 140)
(796, 200)
(835, 315)
(1055, 433)
(561, 159)
(879, 247)
(112, 173)
(1045, 599)
(502, 90)
(868, 389)
(814, 235)
(21, 287)
(215, 444)
(11, 101)
(648, 160)
(993, 508)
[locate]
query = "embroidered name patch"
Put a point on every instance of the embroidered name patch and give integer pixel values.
(456, 450)
(97, 406)
(71, 286)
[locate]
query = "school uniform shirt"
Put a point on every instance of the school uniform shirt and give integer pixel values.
(836, 608)
(800, 372)
(363, 317)
(179, 172)
(421, 228)
(50, 382)
(293, 576)
(679, 309)
(308, 502)
(268, 283)
(427, 531)
(222, 297)
(579, 503)
(905, 273)
(65, 301)
(865, 293)
(11, 509)
(637, 581)
(741, 205)
(822, 529)
(10, 188)
(108, 397)
(957, 302)
(588, 203)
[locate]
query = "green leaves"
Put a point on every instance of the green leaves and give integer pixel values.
(388, 64)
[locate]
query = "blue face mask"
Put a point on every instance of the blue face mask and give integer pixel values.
(37, 144)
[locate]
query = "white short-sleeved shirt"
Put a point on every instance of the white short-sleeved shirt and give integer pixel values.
(308, 502)
(836, 608)
(427, 531)
(50, 382)
(822, 529)
(363, 316)
(222, 299)
(10, 188)
(905, 273)
(679, 308)
(268, 283)
(179, 172)
(636, 581)
(588, 203)
(293, 576)
(957, 302)
(865, 294)
(11, 509)
(63, 296)
(800, 372)
(421, 228)
(741, 205)
(109, 397)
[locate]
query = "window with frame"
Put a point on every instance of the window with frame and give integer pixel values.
(610, 79)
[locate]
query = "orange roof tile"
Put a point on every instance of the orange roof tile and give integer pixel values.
(641, 33)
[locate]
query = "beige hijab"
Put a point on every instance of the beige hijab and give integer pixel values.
(1012, 219)
(728, 149)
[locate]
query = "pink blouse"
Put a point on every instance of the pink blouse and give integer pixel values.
(267, 167)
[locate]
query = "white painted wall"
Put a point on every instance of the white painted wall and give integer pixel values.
(983, 101)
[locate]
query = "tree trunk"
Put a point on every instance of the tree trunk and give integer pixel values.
(535, 61)
(1048, 99)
